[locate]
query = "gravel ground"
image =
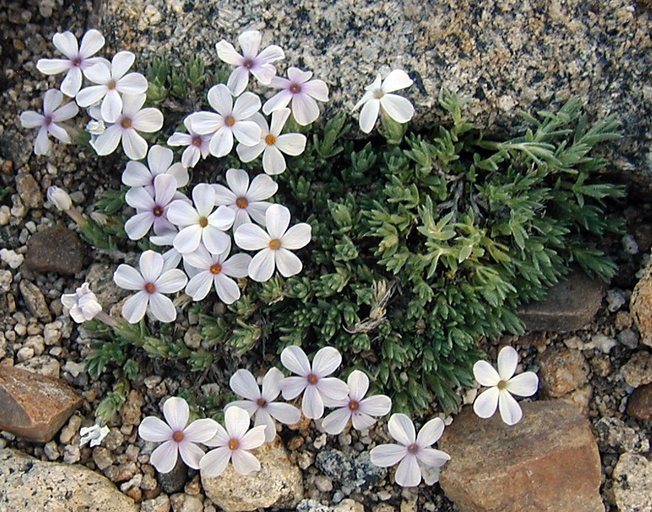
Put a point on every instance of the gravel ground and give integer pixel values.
(56, 347)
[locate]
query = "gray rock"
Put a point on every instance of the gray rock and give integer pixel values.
(279, 483)
(638, 370)
(570, 305)
(34, 300)
(349, 470)
(504, 56)
(27, 484)
(56, 249)
(632, 483)
(174, 480)
(616, 437)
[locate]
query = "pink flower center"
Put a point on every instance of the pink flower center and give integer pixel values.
(241, 202)
(76, 62)
(354, 405)
(312, 378)
(248, 63)
(150, 288)
(295, 88)
(157, 211)
(178, 436)
(261, 402)
(47, 120)
(126, 123)
(215, 268)
(413, 448)
(234, 444)
(196, 141)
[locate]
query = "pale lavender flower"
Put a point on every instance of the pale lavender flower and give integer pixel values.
(228, 121)
(112, 82)
(151, 211)
(318, 389)
(59, 198)
(93, 435)
(198, 145)
(413, 452)
(177, 436)
(151, 282)
(53, 113)
(273, 244)
(216, 270)
(134, 119)
(233, 444)
(301, 93)
(377, 98)
(78, 58)
(502, 385)
(246, 199)
(81, 305)
(355, 407)
(200, 223)
(258, 64)
(261, 404)
(159, 161)
(272, 144)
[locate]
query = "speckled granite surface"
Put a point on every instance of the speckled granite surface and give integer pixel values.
(506, 55)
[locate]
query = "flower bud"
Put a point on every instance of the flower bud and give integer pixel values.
(59, 198)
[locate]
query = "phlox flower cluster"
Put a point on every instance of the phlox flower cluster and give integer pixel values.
(314, 380)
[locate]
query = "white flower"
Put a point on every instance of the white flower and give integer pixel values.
(356, 407)
(134, 119)
(95, 127)
(113, 81)
(233, 444)
(414, 452)
(378, 98)
(171, 257)
(274, 244)
(159, 161)
(94, 434)
(59, 198)
(258, 64)
(231, 120)
(319, 389)
(245, 199)
(151, 282)
(201, 223)
(82, 304)
(151, 211)
(198, 145)
(502, 385)
(301, 91)
(77, 59)
(176, 435)
(272, 144)
(53, 113)
(216, 270)
(261, 404)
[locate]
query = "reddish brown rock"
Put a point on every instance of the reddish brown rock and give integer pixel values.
(562, 371)
(639, 405)
(56, 249)
(549, 462)
(641, 306)
(570, 305)
(34, 406)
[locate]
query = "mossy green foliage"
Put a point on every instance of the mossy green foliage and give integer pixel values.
(423, 244)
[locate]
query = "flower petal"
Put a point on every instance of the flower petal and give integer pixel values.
(66, 43)
(358, 383)
(525, 384)
(507, 362)
(227, 53)
(246, 106)
(326, 361)
(99, 73)
(279, 100)
(52, 66)
(238, 80)
(188, 239)
(137, 226)
(244, 384)
(433, 458)
(162, 308)
(253, 439)
(362, 421)
(398, 108)
(335, 422)
(164, 458)
(317, 89)
(485, 374)
(72, 82)
(91, 43)
(215, 461)
(107, 142)
(127, 277)
(250, 153)
(312, 404)
(132, 83)
(369, 115)
(401, 429)
(236, 422)
(262, 265)
(150, 265)
(154, 429)
(250, 42)
(200, 431)
(386, 455)
(134, 146)
(510, 411)
(263, 418)
(111, 106)
(244, 462)
(277, 220)
(176, 412)
(220, 99)
(65, 112)
(134, 308)
(221, 143)
(295, 360)
(190, 453)
(291, 143)
(284, 413)
(247, 133)
(271, 384)
(288, 264)
(238, 182)
(397, 79)
(292, 387)
(376, 405)
(486, 403)
(91, 95)
(333, 390)
(251, 237)
(408, 473)
(199, 285)
(148, 120)
(31, 119)
(215, 240)
(430, 433)
(171, 281)
(304, 109)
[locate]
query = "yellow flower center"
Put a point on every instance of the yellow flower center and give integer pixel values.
(270, 140)
(275, 244)
(203, 222)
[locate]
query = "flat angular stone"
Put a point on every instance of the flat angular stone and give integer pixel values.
(570, 305)
(34, 406)
(56, 249)
(31, 485)
(35, 300)
(548, 462)
(641, 306)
